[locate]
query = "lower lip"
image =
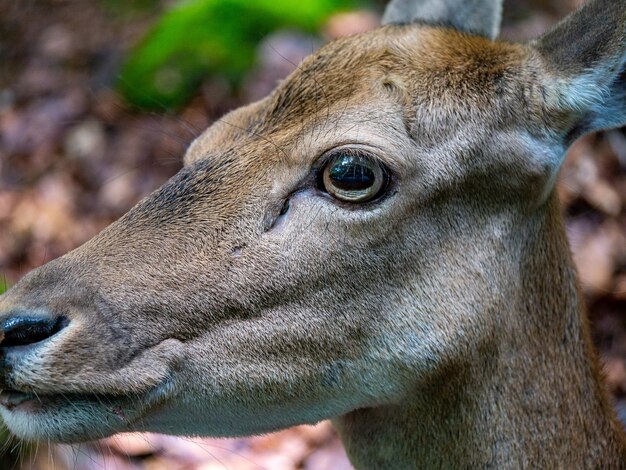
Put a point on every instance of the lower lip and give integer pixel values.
(19, 401)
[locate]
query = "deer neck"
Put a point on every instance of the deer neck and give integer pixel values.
(532, 397)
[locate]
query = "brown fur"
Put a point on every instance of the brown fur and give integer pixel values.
(441, 326)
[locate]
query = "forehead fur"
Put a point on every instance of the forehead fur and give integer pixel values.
(421, 67)
(445, 60)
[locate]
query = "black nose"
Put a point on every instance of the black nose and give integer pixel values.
(20, 330)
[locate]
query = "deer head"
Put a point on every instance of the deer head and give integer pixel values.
(379, 223)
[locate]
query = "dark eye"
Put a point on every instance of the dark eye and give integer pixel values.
(354, 178)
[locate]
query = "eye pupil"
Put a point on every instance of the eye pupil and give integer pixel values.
(354, 177)
(351, 176)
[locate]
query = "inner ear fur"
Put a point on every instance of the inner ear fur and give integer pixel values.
(585, 57)
(479, 17)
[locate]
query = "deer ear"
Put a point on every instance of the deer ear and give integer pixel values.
(481, 17)
(586, 56)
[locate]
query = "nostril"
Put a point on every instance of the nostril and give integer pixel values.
(23, 330)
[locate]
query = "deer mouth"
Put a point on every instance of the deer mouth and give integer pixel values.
(33, 405)
(83, 404)
(29, 402)
(61, 417)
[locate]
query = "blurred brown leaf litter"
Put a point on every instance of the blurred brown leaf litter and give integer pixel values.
(74, 157)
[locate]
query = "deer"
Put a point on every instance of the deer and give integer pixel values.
(378, 242)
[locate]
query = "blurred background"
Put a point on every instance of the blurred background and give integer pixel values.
(100, 98)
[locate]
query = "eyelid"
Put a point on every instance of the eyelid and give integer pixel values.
(376, 154)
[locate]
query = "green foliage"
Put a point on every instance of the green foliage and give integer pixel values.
(3, 284)
(199, 37)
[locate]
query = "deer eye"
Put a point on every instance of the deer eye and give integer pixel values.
(354, 178)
